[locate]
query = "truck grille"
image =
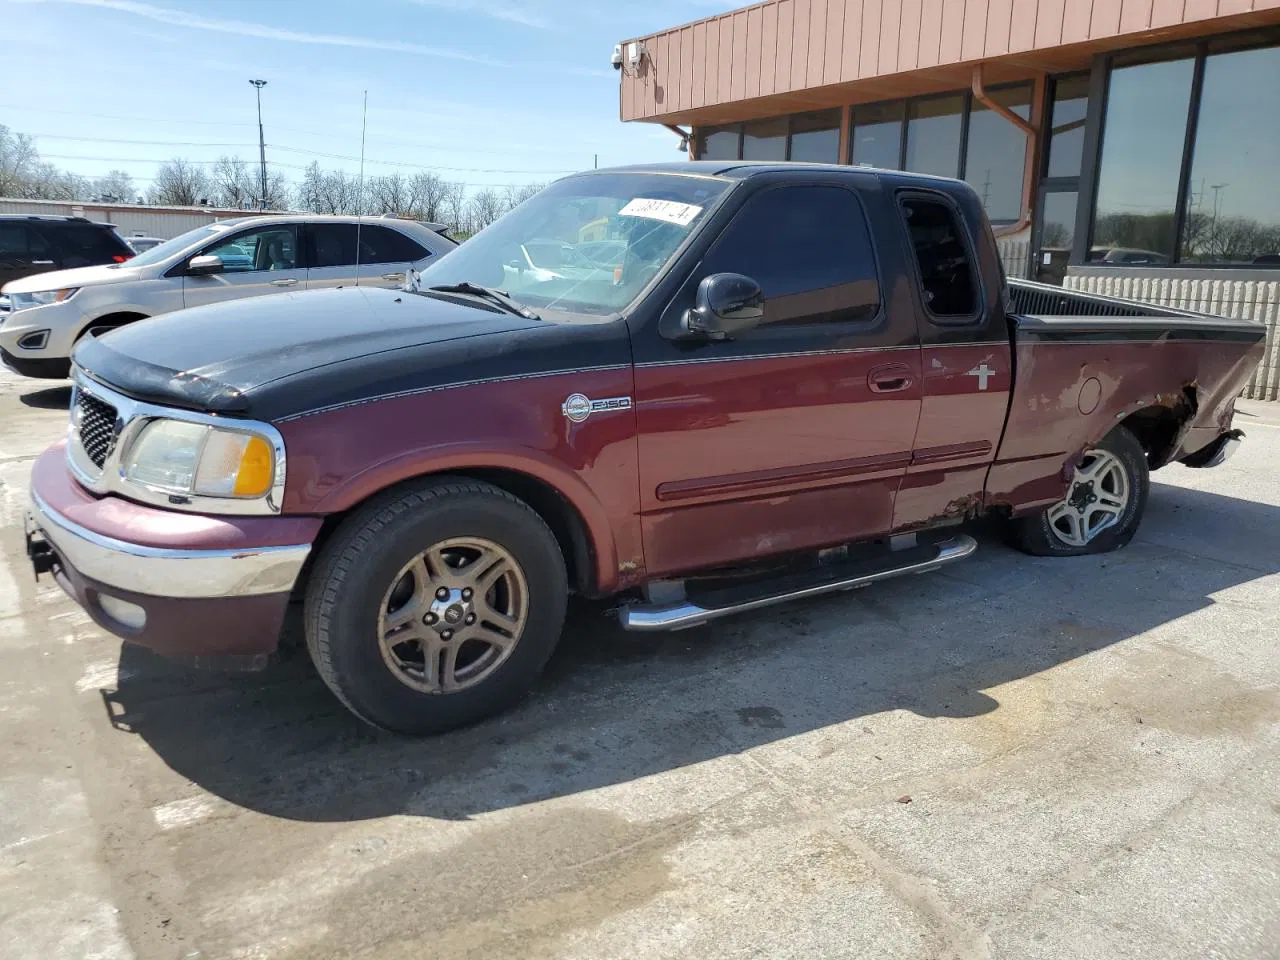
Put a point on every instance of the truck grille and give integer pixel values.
(96, 422)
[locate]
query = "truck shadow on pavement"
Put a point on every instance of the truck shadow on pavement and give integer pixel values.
(613, 707)
(51, 398)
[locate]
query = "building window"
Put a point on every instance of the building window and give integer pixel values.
(1066, 126)
(1188, 144)
(934, 129)
(719, 143)
(1144, 133)
(815, 137)
(1233, 196)
(877, 135)
(996, 154)
(765, 140)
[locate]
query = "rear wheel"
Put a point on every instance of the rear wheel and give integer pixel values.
(436, 606)
(1103, 506)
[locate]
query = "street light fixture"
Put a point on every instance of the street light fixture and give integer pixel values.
(262, 146)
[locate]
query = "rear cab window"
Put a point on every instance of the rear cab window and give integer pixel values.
(943, 258)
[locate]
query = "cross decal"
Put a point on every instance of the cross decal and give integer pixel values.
(983, 373)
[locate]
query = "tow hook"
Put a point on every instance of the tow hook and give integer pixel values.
(39, 552)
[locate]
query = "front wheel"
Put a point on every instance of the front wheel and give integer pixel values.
(436, 605)
(1103, 506)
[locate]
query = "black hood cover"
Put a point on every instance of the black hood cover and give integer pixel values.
(209, 356)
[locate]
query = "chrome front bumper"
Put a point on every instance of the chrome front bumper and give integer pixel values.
(166, 572)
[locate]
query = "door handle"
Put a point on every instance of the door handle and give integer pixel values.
(890, 378)
(393, 276)
(286, 282)
(42, 263)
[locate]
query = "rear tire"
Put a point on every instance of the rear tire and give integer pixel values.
(1103, 506)
(436, 605)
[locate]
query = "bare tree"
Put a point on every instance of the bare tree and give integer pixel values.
(390, 194)
(234, 184)
(180, 183)
(428, 194)
(116, 187)
(18, 159)
(484, 207)
(328, 191)
(453, 203)
(515, 194)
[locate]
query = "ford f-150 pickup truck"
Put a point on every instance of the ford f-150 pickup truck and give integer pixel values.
(715, 386)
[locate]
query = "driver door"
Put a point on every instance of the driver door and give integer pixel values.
(255, 262)
(795, 434)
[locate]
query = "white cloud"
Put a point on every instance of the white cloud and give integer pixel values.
(486, 8)
(245, 28)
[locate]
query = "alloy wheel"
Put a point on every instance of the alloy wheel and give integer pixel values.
(1096, 501)
(453, 615)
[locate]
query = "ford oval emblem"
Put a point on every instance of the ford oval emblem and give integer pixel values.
(576, 408)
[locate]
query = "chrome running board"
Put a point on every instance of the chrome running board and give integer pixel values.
(811, 583)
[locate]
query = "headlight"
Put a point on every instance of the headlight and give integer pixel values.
(184, 458)
(20, 301)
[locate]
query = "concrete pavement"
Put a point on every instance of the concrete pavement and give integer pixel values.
(1015, 758)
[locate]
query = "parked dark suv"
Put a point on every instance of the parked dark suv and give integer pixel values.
(37, 244)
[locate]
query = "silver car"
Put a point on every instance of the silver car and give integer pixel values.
(245, 257)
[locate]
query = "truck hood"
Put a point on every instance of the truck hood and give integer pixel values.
(222, 357)
(79, 277)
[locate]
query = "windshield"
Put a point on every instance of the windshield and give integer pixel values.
(588, 244)
(163, 251)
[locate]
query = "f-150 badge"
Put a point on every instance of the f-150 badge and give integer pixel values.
(578, 407)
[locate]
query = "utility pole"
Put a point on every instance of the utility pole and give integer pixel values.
(262, 145)
(595, 163)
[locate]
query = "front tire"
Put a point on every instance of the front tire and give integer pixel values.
(436, 605)
(1103, 506)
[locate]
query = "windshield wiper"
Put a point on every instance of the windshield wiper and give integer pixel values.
(499, 297)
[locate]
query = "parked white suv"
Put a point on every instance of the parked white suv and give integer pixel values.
(245, 257)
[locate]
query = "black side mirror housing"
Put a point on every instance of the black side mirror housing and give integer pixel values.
(726, 305)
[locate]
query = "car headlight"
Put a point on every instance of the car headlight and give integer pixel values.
(20, 301)
(192, 459)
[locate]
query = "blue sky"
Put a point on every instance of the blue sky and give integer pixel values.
(489, 92)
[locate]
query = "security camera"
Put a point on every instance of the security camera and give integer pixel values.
(616, 59)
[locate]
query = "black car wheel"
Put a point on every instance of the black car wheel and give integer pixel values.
(436, 605)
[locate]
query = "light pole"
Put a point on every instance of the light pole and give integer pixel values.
(262, 145)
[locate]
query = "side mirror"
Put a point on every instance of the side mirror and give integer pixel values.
(726, 305)
(204, 266)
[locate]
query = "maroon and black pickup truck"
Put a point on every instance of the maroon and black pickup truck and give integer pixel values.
(705, 387)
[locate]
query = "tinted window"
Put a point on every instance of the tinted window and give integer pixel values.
(334, 245)
(384, 245)
(270, 248)
(719, 144)
(808, 248)
(877, 135)
(1233, 204)
(13, 240)
(1143, 138)
(997, 153)
(1066, 136)
(933, 136)
(765, 140)
(815, 137)
(942, 254)
(83, 245)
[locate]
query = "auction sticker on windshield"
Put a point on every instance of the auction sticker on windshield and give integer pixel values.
(671, 211)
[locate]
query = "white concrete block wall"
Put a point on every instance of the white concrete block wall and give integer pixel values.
(1228, 297)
